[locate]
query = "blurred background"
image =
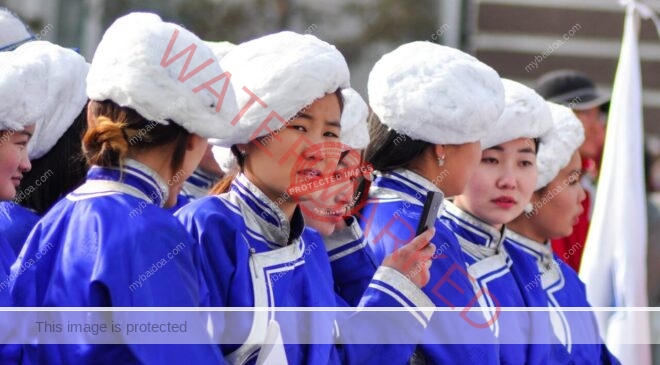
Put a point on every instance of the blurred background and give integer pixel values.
(521, 39)
(507, 34)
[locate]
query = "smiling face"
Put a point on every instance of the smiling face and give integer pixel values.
(502, 184)
(269, 160)
(317, 214)
(14, 160)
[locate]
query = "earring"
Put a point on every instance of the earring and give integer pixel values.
(441, 160)
(529, 208)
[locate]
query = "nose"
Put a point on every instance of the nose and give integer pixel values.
(345, 194)
(582, 195)
(507, 179)
(344, 197)
(314, 153)
(25, 164)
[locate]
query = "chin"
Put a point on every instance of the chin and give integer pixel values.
(496, 219)
(301, 198)
(561, 234)
(511, 216)
(8, 194)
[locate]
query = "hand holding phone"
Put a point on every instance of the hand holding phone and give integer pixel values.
(430, 211)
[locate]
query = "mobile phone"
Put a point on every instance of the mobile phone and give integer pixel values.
(430, 211)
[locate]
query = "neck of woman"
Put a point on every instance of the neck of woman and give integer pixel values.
(523, 226)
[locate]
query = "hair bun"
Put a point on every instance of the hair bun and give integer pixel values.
(105, 144)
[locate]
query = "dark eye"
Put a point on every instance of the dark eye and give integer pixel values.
(299, 128)
(527, 163)
(489, 160)
(330, 134)
(22, 142)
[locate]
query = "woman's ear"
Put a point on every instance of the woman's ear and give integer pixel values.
(439, 150)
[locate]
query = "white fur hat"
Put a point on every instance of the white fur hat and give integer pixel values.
(12, 30)
(164, 72)
(287, 72)
(220, 49)
(435, 93)
(559, 145)
(23, 90)
(354, 129)
(525, 115)
(64, 92)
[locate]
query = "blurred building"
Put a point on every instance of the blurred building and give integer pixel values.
(523, 39)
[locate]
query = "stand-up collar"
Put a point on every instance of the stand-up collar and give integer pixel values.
(135, 179)
(404, 184)
(266, 215)
(471, 228)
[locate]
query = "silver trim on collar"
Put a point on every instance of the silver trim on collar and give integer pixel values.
(278, 235)
(544, 248)
(387, 193)
(492, 235)
(161, 185)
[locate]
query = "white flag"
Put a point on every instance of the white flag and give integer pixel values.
(614, 262)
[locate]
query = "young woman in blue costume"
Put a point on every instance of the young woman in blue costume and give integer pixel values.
(497, 193)
(255, 247)
(555, 206)
(23, 82)
(55, 149)
(21, 88)
(352, 261)
(105, 234)
(435, 104)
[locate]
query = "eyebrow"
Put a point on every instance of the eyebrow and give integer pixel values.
(500, 149)
(526, 150)
(304, 115)
(333, 123)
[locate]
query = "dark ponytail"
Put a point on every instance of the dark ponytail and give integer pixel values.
(389, 150)
(116, 131)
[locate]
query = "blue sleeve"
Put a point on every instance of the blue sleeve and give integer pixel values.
(371, 337)
(6, 261)
(99, 256)
(9, 354)
(461, 335)
(16, 222)
(163, 271)
(352, 261)
(224, 266)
